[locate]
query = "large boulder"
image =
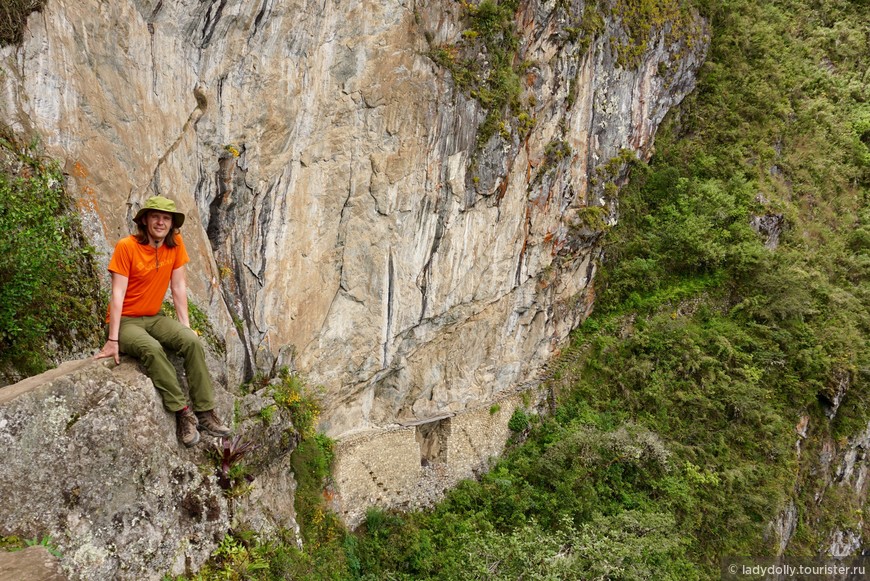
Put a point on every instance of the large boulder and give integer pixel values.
(91, 460)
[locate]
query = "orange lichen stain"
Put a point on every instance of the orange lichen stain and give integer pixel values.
(530, 165)
(501, 190)
(79, 170)
(88, 200)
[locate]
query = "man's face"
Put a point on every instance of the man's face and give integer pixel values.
(158, 225)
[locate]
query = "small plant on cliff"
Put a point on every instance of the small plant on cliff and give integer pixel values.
(519, 421)
(14, 543)
(293, 394)
(267, 413)
(232, 474)
(46, 543)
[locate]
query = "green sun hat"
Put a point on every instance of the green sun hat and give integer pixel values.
(163, 205)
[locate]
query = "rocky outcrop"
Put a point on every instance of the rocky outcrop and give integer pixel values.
(343, 215)
(31, 564)
(91, 461)
(831, 487)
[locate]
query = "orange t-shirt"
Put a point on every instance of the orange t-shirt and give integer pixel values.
(148, 271)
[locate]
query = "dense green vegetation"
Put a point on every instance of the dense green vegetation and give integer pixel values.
(241, 554)
(672, 442)
(48, 285)
(494, 81)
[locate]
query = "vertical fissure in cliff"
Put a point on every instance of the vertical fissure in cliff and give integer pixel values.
(239, 280)
(442, 209)
(390, 298)
(267, 5)
(213, 15)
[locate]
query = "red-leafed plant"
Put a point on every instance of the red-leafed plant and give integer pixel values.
(231, 471)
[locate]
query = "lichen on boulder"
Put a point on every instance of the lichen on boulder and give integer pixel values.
(91, 459)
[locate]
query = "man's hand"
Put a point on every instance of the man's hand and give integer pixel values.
(110, 349)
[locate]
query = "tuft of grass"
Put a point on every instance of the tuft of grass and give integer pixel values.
(13, 18)
(14, 543)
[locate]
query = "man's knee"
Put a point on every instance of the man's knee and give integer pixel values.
(188, 336)
(143, 347)
(189, 342)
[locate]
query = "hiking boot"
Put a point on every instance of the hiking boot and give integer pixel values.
(185, 427)
(209, 422)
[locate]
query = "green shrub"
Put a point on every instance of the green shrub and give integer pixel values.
(311, 462)
(519, 420)
(49, 291)
(293, 394)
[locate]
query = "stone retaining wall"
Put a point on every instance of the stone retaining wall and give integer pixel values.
(410, 466)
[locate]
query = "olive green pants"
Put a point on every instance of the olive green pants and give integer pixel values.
(145, 339)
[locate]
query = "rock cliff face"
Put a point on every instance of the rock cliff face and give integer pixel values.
(831, 489)
(345, 212)
(90, 459)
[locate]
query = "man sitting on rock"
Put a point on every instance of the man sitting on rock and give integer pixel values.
(143, 266)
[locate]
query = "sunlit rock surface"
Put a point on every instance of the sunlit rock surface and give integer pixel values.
(91, 462)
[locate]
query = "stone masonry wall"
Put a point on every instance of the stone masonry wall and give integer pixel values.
(411, 466)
